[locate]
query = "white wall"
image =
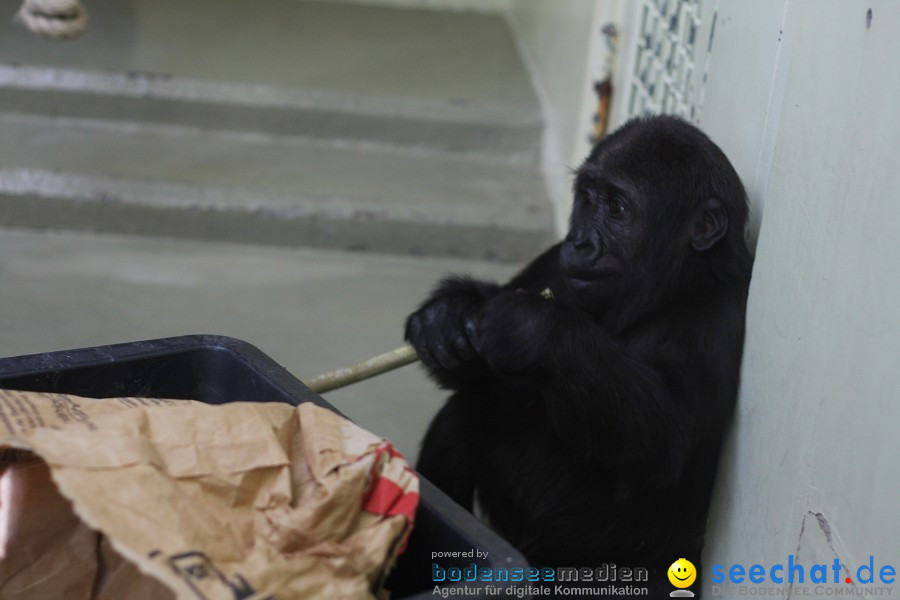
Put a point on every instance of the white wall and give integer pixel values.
(745, 89)
(812, 467)
(564, 50)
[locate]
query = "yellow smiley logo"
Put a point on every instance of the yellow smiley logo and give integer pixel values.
(682, 573)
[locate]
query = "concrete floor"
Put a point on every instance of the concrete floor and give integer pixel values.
(310, 310)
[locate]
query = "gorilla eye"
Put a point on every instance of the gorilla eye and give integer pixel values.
(615, 207)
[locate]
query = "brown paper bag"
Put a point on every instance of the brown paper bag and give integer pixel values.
(143, 498)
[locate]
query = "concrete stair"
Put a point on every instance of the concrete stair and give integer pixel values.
(283, 122)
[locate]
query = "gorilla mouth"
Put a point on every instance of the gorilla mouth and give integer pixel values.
(580, 279)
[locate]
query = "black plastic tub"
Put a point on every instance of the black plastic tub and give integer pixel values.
(216, 370)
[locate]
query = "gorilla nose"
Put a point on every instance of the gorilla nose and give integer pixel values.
(582, 251)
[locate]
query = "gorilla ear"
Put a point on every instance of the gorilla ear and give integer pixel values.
(709, 225)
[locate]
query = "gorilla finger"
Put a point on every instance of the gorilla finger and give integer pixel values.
(427, 357)
(446, 358)
(472, 333)
(419, 341)
(413, 327)
(464, 348)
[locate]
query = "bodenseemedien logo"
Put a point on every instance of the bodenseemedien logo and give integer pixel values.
(796, 579)
(607, 580)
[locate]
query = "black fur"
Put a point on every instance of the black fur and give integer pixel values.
(589, 424)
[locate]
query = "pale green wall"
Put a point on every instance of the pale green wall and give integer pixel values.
(812, 467)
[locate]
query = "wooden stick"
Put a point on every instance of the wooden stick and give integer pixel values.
(362, 370)
(376, 365)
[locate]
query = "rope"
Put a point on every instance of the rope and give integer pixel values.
(57, 19)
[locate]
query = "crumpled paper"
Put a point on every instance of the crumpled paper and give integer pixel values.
(148, 498)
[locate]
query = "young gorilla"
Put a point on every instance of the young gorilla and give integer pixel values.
(588, 424)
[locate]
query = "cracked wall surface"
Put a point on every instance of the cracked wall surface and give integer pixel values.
(812, 465)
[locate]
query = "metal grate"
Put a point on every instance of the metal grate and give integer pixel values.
(664, 79)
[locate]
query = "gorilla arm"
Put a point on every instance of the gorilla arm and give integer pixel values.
(442, 328)
(610, 405)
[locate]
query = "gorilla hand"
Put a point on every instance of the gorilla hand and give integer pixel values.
(441, 331)
(514, 329)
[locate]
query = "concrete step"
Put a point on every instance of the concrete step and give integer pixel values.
(487, 131)
(180, 181)
(288, 122)
(451, 81)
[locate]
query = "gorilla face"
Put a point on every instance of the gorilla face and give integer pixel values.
(645, 208)
(603, 247)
